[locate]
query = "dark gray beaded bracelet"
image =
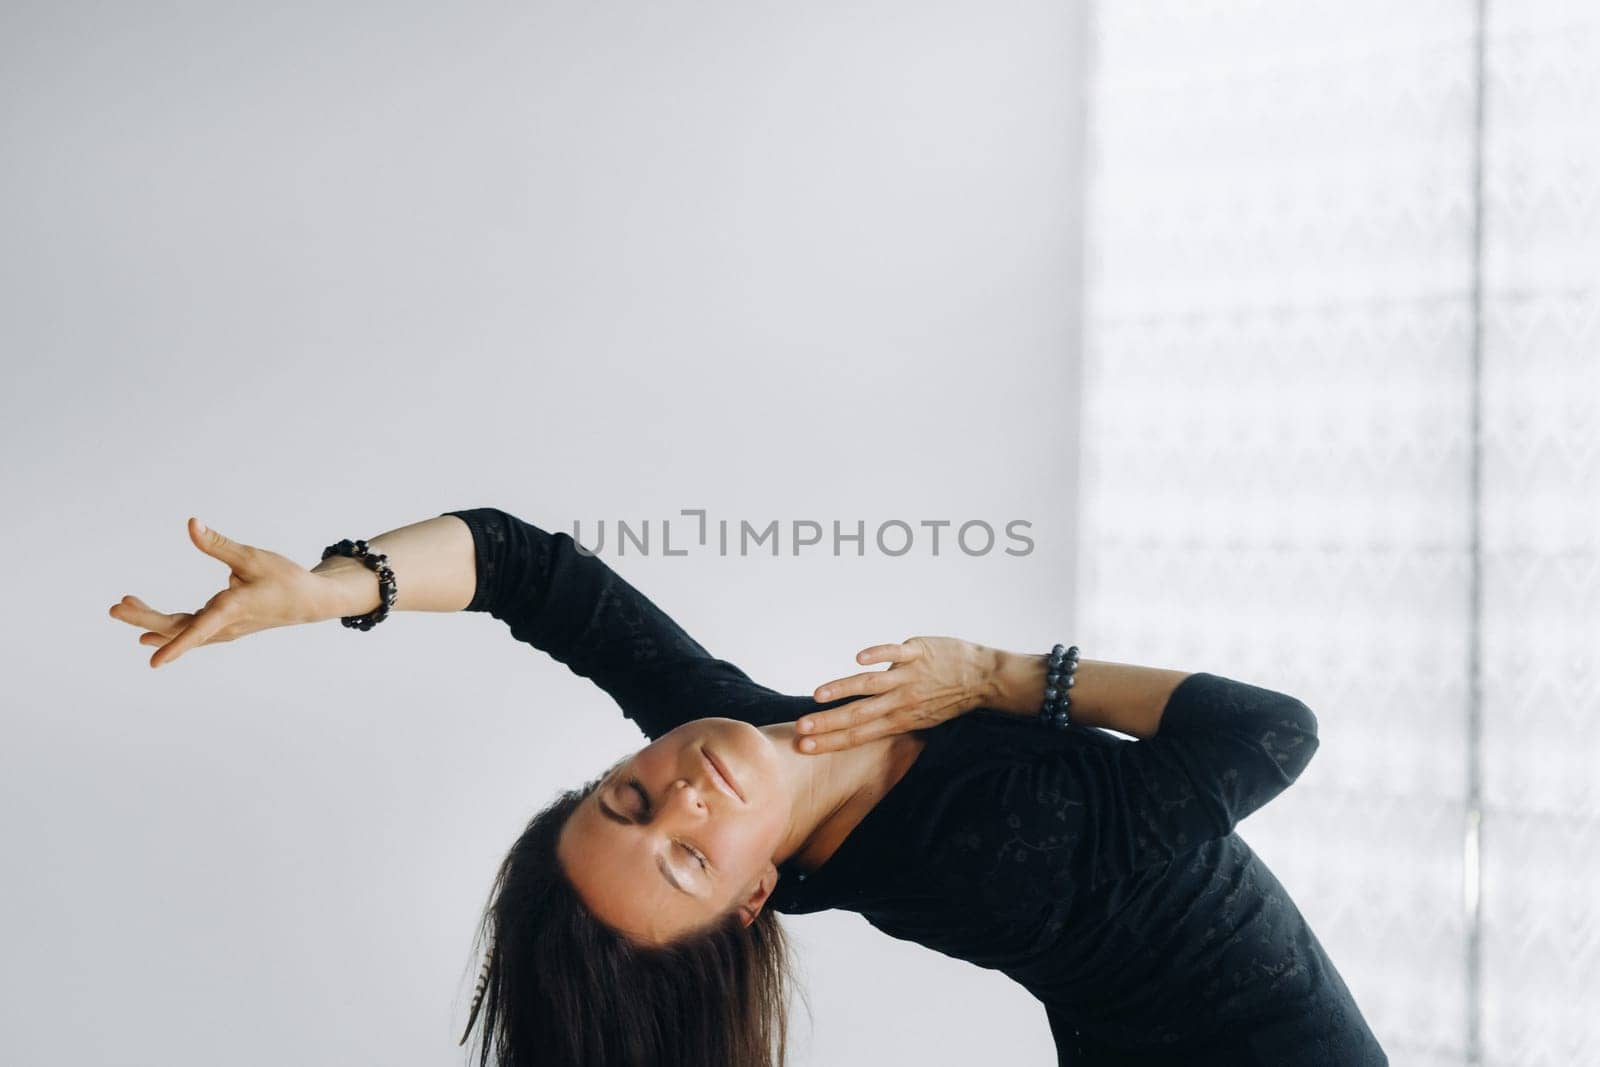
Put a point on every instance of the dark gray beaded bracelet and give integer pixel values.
(376, 561)
(1060, 677)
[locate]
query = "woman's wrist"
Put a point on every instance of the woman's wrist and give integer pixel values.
(1116, 696)
(347, 587)
(1015, 682)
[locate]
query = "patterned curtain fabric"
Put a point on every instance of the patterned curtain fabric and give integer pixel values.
(1342, 439)
(1541, 534)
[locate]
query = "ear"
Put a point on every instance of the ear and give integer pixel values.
(756, 899)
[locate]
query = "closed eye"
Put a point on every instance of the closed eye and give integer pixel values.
(644, 799)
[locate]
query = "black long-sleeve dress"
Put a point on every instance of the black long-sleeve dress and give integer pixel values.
(1101, 874)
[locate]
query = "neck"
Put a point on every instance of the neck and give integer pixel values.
(831, 792)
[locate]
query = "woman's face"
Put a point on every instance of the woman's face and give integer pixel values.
(634, 847)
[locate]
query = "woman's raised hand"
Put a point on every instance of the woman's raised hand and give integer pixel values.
(265, 590)
(930, 679)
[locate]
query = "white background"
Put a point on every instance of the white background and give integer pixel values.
(314, 271)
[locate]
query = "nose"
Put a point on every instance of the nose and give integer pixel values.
(685, 794)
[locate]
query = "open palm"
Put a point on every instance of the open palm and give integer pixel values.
(265, 590)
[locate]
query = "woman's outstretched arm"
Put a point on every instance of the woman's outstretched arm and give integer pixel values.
(564, 602)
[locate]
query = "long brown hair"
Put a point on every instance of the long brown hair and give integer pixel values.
(559, 988)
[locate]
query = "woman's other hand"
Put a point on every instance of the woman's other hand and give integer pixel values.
(265, 590)
(930, 679)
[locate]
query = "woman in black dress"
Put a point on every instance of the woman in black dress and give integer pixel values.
(633, 921)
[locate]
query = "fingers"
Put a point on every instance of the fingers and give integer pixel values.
(158, 640)
(204, 625)
(867, 724)
(867, 683)
(861, 720)
(161, 628)
(900, 652)
(847, 726)
(235, 555)
(135, 612)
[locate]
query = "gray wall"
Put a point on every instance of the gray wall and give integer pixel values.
(312, 271)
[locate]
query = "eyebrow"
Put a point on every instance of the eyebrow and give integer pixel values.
(666, 871)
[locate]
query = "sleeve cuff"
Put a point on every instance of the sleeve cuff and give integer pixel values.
(483, 560)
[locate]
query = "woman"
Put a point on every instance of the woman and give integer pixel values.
(634, 919)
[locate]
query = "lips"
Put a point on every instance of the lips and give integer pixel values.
(720, 776)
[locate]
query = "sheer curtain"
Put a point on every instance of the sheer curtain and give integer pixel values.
(1340, 439)
(1541, 534)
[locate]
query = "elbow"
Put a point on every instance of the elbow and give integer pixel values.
(1299, 741)
(1310, 720)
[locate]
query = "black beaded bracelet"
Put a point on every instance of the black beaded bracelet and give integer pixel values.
(378, 562)
(1058, 682)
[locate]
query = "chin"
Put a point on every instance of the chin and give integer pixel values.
(747, 751)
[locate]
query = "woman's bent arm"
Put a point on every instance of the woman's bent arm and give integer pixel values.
(1215, 749)
(1117, 696)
